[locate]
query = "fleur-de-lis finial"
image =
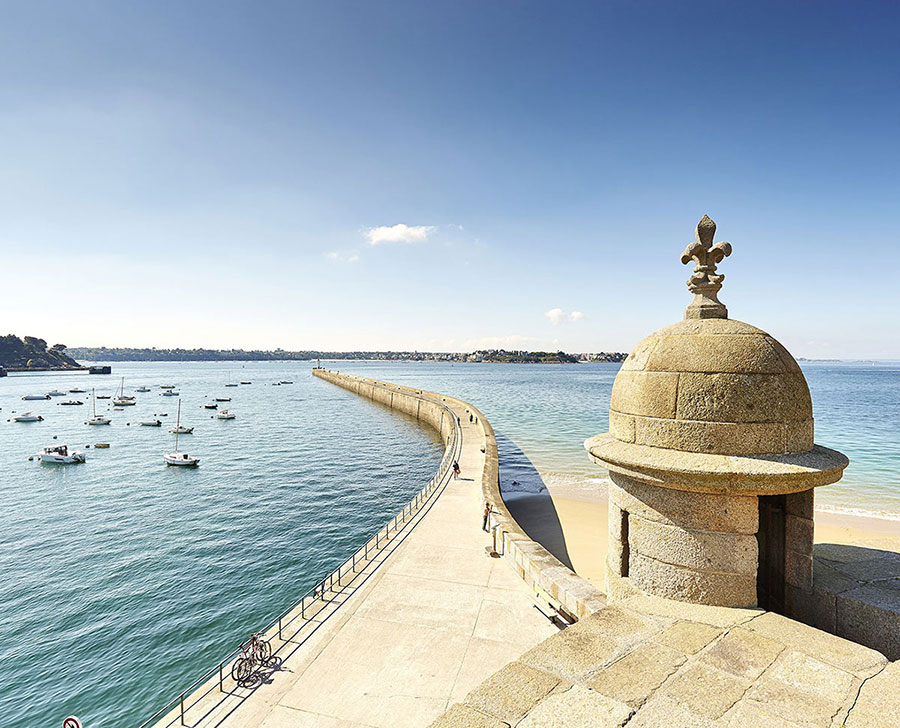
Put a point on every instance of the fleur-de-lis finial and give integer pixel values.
(704, 282)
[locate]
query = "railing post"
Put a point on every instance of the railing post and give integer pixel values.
(221, 678)
(279, 630)
(303, 608)
(182, 710)
(354, 562)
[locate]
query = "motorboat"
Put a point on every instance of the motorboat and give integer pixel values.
(56, 393)
(121, 399)
(61, 455)
(28, 417)
(71, 403)
(180, 458)
(103, 396)
(151, 423)
(231, 384)
(211, 405)
(182, 430)
(223, 399)
(224, 415)
(28, 397)
(96, 419)
(76, 390)
(142, 389)
(167, 386)
(170, 393)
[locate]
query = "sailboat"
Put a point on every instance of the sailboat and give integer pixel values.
(96, 419)
(121, 400)
(180, 458)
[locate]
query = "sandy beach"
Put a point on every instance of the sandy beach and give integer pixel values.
(571, 522)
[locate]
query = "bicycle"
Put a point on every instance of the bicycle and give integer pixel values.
(255, 652)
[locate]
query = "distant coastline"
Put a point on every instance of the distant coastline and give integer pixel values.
(500, 356)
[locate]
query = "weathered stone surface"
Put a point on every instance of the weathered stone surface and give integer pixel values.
(698, 511)
(716, 616)
(878, 704)
(464, 716)
(750, 714)
(800, 504)
(573, 654)
(690, 585)
(798, 570)
(689, 637)
(577, 707)
(870, 615)
(739, 397)
(798, 534)
(717, 438)
(704, 550)
(664, 711)
(738, 353)
(743, 653)
(799, 687)
(645, 393)
(512, 691)
(826, 647)
(635, 676)
(704, 690)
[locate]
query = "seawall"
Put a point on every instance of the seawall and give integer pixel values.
(542, 571)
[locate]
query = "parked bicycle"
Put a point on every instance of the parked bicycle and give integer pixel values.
(255, 653)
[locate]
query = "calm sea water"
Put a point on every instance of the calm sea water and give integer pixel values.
(124, 579)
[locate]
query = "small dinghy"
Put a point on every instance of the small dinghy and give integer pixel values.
(246, 382)
(60, 455)
(182, 430)
(170, 393)
(103, 396)
(71, 403)
(223, 399)
(211, 405)
(225, 415)
(142, 389)
(151, 423)
(56, 393)
(28, 417)
(76, 390)
(167, 386)
(29, 397)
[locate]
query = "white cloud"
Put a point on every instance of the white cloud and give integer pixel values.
(353, 259)
(342, 257)
(399, 233)
(333, 256)
(557, 316)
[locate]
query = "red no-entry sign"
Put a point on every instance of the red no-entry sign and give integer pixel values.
(71, 722)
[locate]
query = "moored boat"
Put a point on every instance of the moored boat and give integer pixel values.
(151, 423)
(28, 417)
(28, 397)
(180, 458)
(96, 419)
(61, 455)
(225, 415)
(71, 403)
(56, 393)
(211, 405)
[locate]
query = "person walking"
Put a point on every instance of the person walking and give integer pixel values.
(487, 515)
(456, 470)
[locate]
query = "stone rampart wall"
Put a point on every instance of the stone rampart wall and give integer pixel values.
(540, 569)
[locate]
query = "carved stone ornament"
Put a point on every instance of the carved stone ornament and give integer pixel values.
(704, 282)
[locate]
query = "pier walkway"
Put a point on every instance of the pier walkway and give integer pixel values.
(408, 633)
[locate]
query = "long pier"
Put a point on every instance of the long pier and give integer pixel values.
(411, 622)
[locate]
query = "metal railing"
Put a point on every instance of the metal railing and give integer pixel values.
(317, 592)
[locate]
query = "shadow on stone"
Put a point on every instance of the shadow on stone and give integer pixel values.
(528, 500)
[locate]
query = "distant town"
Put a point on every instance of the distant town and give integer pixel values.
(104, 354)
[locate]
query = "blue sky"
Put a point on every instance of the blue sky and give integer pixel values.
(215, 173)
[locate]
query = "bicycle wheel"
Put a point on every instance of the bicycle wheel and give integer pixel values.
(241, 670)
(264, 651)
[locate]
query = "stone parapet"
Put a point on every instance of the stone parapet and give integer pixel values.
(546, 575)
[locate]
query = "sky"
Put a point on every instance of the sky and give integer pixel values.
(446, 176)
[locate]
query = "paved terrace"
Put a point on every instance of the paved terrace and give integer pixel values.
(411, 632)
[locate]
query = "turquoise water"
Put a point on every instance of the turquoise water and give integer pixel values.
(124, 579)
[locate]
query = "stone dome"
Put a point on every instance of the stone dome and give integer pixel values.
(715, 386)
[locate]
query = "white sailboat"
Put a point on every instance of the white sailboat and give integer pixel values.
(96, 419)
(180, 458)
(121, 399)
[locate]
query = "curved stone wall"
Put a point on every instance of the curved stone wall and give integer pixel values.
(541, 570)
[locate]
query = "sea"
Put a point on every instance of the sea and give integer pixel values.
(124, 579)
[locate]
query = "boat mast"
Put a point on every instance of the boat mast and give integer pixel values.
(94, 402)
(178, 425)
